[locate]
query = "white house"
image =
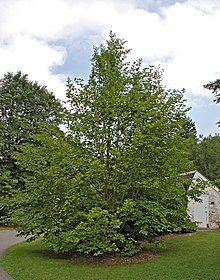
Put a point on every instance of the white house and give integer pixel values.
(207, 212)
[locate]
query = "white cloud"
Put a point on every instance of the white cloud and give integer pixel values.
(34, 58)
(206, 6)
(190, 32)
(182, 38)
(44, 19)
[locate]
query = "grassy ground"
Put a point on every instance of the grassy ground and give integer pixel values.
(188, 257)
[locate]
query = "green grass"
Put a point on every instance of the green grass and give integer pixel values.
(187, 257)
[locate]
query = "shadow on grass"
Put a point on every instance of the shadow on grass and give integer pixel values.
(148, 251)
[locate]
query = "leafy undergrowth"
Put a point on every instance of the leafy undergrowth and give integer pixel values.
(186, 257)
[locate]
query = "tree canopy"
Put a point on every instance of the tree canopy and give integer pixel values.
(113, 178)
(206, 156)
(25, 106)
(214, 87)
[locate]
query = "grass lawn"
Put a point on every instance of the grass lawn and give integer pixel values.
(183, 258)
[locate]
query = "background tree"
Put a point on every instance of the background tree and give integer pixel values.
(206, 156)
(189, 129)
(114, 179)
(214, 87)
(189, 133)
(24, 107)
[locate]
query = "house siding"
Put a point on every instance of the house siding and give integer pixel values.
(214, 208)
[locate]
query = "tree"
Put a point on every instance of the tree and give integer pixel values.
(189, 130)
(215, 87)
(206, 155)
(114, 178)
(25, 106)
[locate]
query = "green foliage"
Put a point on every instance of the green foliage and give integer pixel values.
(128, 120)
(96, 234)
(60, 203)
(206, 155)
(114, 178)
(189, 130)
(24, 107)
(7, 184)
(188, 226)
(214, 87)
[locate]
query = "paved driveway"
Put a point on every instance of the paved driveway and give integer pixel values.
(7, 239)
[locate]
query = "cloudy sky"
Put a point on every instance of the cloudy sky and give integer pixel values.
(53, 39)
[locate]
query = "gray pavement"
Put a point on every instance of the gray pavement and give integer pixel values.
(7, 239)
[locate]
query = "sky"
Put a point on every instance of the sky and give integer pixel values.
(51, 40)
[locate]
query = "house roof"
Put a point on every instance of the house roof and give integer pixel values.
(195, 175)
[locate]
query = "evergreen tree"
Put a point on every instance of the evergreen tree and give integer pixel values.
(214, 87)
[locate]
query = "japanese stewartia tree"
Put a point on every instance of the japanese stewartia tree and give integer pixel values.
(113, 179)
(24, 107)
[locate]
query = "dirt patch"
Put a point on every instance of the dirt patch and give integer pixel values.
(140, 257)
(172, 235)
